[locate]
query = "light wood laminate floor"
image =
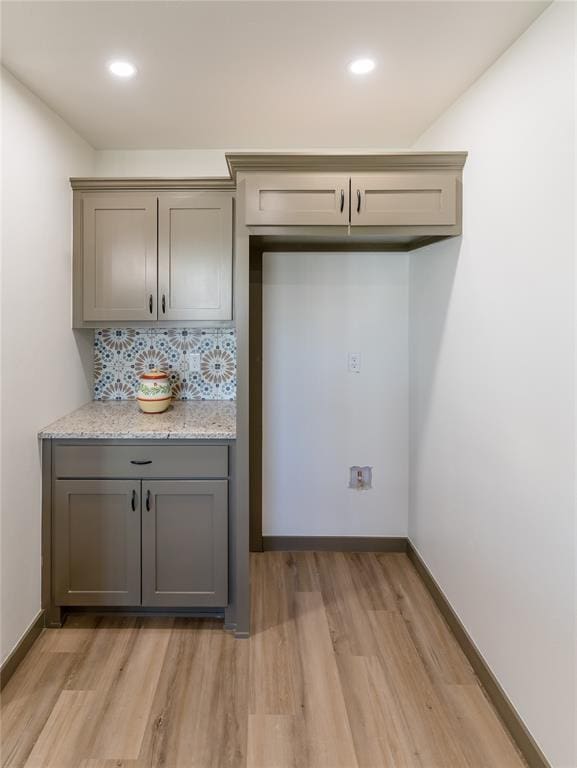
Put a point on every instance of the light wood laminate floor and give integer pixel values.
(349, 665)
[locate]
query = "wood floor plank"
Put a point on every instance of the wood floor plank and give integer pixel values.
(329, 740)
(301, 571)
(92, 762)
(347, 618)
(367, 721)
(198, 716)
(349, 665)
(408, 697)
(79, 633)
(437, 646)
(121, 729)
(106, 656)
(28, 701)
(62, 738)
(275, 680)
(483, 739)
(373, 589)
(276, 741)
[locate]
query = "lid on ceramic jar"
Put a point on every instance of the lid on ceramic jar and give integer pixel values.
(154, 374)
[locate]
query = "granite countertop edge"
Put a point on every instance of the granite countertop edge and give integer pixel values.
(122, 420)
(48, 435)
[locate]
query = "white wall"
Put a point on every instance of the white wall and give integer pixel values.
(319, 419)
(159, 162)
(492, 380)
(46, 369)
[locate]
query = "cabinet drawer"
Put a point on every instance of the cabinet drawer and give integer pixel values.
(140, 461)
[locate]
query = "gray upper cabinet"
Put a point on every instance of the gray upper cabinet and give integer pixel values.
(195, 256)
(97, 542)
(152, 257)
(184, 543)
(404, 199)
(300, 199)
(119, 273)
(406, 204)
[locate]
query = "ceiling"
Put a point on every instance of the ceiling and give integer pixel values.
(255, 74)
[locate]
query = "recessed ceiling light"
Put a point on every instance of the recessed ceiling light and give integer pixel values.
(361, 66)
(122, 68)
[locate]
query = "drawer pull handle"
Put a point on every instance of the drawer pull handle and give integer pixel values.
(148, 501)
(358, 200)
(150, 304)
(140, 463)
(133, 502)
(342, 200)
(163, 304)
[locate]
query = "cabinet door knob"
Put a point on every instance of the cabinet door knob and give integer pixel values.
(358, 200)
(148, 501)
(163, 304)
(342, 200)
(133, 501)
(150, 304)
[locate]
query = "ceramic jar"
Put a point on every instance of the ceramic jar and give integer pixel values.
(154, 392)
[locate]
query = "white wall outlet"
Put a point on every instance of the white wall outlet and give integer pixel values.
(354, 362)
(194, 361)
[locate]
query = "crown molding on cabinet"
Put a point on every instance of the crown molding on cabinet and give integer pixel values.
(152, 184)
(284, 161)
(345, 162)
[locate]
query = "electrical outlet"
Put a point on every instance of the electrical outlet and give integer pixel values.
(194, 361)
(354, 362)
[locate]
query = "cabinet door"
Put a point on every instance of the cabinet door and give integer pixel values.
(97, 542)
(404, 199)
(286, 199)
(185, 543)
(119, 257)
(195, 256)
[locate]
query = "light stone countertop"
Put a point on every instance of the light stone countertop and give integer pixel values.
(114, 419)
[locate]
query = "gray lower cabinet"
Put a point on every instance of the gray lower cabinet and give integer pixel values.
(184, 543)
(147, 540)
(97, 542)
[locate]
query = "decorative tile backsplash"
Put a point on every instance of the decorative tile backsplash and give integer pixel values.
(201, 363)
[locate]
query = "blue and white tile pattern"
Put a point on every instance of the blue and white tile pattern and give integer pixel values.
(121, 355)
